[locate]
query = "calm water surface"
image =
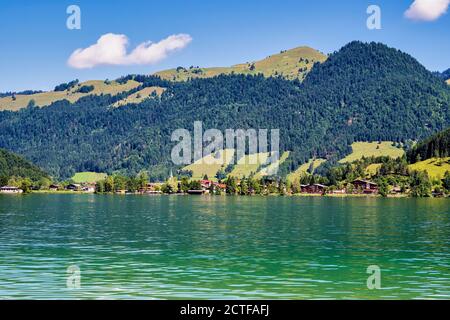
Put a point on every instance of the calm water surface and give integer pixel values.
(171, 247)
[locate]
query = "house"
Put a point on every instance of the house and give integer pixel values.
(220, 186)
(10, 189)
(90, 188)
(151, 188)
(53, 187)
(364, 186)
(316, 188)
(206, 184)
(74, 187)
(396, 190)
(303, 188)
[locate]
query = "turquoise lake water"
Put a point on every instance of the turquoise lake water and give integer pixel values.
(175, 247)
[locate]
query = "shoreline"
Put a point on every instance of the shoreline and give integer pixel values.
(64, 192)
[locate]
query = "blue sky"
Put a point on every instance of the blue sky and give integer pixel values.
(36, 43)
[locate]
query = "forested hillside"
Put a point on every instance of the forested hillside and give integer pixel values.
(363, 92)
(445, 75)
(436, 146)
(369, 92)
(12, 165)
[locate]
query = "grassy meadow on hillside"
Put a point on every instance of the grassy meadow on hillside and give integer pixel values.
(303, 169)
(291, 64)
(436, 167)
(368, 149)
(140, 96)
(272, 168)
(88, 177)
(372, 169)
(72, 94)
(249, 164)
(206, 165)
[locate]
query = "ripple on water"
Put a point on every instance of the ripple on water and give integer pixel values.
(223, 247)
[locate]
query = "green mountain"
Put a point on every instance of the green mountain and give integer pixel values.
(363, 92)
(12, 165)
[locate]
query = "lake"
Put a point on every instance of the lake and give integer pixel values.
(222, 247)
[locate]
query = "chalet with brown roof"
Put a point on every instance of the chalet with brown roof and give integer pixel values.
(365, 186)
(54, 187)
(316, 188)
(74, 187)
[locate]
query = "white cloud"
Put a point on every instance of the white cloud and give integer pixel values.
(427, 10)
(111, 49)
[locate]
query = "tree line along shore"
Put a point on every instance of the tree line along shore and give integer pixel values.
(393, 178)
(374, 175)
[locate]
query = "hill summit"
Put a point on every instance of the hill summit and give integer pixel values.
(289, 64)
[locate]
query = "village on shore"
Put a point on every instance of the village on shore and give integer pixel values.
(204, 187)
(393, 177)
(231, 186)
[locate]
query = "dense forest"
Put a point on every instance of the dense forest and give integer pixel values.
(445, 75)
(15, 167)
(363, 92)
(437, 146)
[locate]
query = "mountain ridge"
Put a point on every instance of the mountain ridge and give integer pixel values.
(291, 64)
(363, 92)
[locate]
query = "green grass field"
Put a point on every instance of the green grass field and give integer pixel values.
(273, 167)
(291, 64)
(140, 96)
(372, 169)
(205, 166)
(244, 168)
(436, 167)
(46, 98)
(249, 164)
(368, 149)
(302, 170)
(88, 177)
